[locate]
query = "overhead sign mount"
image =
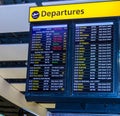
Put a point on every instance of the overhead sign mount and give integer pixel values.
(75, 11)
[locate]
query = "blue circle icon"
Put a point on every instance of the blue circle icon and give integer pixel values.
(35, 14)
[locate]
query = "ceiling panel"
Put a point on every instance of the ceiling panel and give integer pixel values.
(23, 1)
(14, 18)
(13, 52)
(12, 73)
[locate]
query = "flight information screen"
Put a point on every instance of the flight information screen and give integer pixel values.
(73, 60)
(47, 58)
(93, 57)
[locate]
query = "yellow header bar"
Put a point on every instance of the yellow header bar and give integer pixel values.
(75, 11)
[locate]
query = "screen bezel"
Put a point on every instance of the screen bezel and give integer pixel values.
(68, 95)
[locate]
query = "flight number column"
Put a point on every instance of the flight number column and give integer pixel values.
(82, 58)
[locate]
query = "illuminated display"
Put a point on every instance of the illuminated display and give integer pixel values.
(47, 60)
(93, 57)
(74, 60)
(75, 11)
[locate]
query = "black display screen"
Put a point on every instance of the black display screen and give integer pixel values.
(93, 57)
(47, 58)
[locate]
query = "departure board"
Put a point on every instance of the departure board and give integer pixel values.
(93, 57)
(47, 58)
(75, 60)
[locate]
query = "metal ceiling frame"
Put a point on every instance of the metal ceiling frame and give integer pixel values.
(14, 96)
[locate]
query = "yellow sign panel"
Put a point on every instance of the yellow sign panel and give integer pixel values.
(75, 11)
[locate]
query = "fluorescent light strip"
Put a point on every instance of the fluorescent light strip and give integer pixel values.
(48, 26)
(70, 2)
